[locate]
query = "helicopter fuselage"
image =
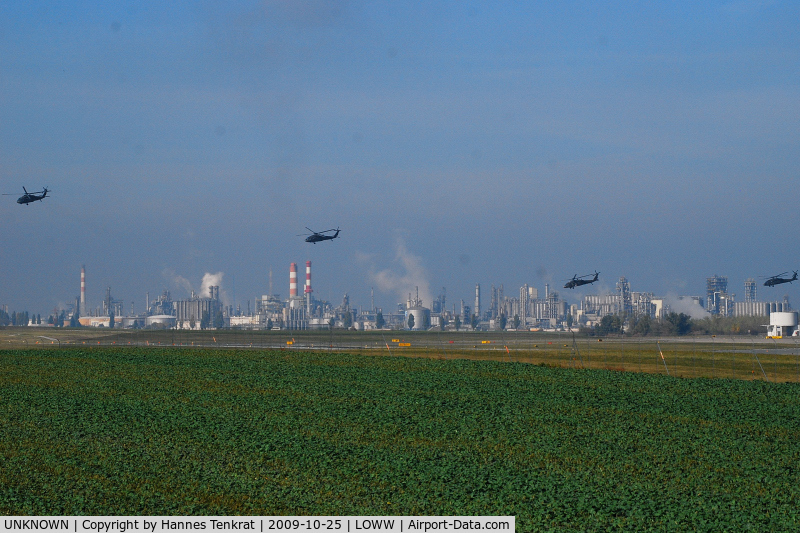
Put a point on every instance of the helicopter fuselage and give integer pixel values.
(771, 282)
(578, 281)
(29, 197)
(314, 238)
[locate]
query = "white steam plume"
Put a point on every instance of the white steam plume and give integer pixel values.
(209, 280)
(406, 279)
(685, 305)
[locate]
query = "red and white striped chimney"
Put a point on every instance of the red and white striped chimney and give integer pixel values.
(308, 289)
(308, 277)
(293, 280)
(82, 310)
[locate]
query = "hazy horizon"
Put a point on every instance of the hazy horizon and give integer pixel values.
(453, 144)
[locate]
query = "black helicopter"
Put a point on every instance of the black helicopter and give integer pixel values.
(316, 236)
(577, 281)
(777, 280)
(29, 197)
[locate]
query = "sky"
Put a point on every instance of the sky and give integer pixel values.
(454, 144)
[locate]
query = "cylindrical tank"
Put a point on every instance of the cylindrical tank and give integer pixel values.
(783, 319)
(167, 321)
(422, 317)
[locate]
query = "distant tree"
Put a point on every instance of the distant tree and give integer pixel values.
(517, 321)
(411, 321)
(570, 320)
(680, 324)
(205, 320)
(502, 322)
(331, 322)
(348, 319)
(609, 325)
(473, 321)
(192, 322)
(38, 318)
(219, 319)
(4, 318)
(13, 318)
(379, 321)
(111, 319)
(457, 322)
(62, 317)
(642, 325)
(442, 322)
(269, 324)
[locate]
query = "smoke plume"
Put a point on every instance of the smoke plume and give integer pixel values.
(685, 305)
(405, 278)
(209, 280)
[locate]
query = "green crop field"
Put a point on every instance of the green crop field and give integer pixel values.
(713, 356)
(165, 431)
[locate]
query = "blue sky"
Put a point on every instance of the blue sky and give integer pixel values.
(454, 144)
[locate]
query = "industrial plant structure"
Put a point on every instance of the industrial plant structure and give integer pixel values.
(301, 310)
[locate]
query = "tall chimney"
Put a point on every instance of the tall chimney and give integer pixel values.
(477, 309)
(83, 290)
(308, 289)
(293, 281)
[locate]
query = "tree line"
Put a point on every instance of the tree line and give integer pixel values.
(18, 319)
(676, 324)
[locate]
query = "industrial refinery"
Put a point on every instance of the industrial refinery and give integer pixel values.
(529, 310)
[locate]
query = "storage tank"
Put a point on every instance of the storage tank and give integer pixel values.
(422, 317)
(783, 319)
(166, 321)
(782, 324)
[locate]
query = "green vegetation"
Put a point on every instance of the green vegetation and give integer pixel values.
(168, 431)
(676, 324)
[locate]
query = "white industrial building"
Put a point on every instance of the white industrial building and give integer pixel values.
(782, 324)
